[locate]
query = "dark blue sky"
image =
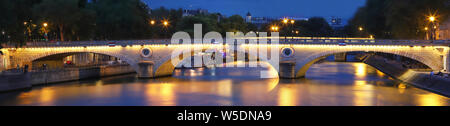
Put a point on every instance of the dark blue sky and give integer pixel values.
(270, 8)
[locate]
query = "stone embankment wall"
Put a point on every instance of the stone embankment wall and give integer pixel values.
(20, 80)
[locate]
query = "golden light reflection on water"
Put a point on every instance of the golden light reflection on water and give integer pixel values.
(224, 88)
(287, 96)
(25, 98)
(363, 94)
(430, 100)
(401, 88)
(360, 70)
(161, 94)
(360, 83)
(47, 96)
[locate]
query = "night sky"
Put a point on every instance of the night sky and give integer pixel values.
(268, 8)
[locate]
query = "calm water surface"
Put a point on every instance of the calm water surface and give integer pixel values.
(326, 84)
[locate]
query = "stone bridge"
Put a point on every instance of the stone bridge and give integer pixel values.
(153, 58)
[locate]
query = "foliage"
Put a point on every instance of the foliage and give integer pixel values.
(397, 19)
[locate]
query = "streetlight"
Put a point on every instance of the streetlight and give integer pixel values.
(432, 19)
(361, 28)
(285, 20)
(274, 28)
(426, 31)
(45, 24)
(152, 22)
(166, 23)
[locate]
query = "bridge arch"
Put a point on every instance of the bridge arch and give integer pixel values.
(165, 67)
(61, 54)
(303, 65)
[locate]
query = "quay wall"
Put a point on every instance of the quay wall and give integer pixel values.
(19, 80)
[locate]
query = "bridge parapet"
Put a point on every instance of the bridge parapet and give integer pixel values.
(319, 41)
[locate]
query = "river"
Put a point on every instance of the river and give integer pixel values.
(326, 84)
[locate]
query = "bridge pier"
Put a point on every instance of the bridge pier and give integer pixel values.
(145, 70)
(340, 57)
(287, 70)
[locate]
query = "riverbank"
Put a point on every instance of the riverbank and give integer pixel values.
(423, 80)
(15, 80)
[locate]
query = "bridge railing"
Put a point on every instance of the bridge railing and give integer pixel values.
(282, 40)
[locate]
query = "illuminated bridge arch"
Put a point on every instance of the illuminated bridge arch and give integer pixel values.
(305, 57)
(165, 67)
(29, 55)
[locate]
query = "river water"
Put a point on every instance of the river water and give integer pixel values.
(326, 84)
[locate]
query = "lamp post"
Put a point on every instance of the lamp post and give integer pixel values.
(432, 19)
(165, 24)
(360, 29)
(285, 22)
(292, 28)
(45, 31)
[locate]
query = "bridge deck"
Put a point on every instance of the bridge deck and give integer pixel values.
(281, 41)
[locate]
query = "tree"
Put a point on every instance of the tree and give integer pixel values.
(59, 13)
(14, 13)
(209, 23)
(233, 23)
(396, 19)
(314, 27)
(122, 19)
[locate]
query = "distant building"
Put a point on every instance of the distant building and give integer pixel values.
(296, 18)
(335, 22)
(187, 12)
(259, 21)
(443, 33)
(248, 18)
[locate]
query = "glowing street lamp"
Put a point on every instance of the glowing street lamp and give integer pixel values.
(274, 28)
(292, 21)
(432, 18)
(152, 22)
(360, 28)
(285, 21)
(45, 24)
(165, 23)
